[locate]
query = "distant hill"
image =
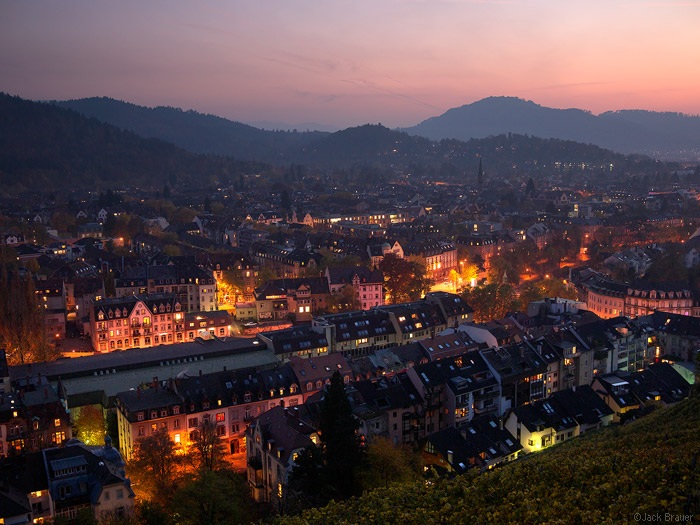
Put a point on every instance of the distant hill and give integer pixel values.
(193, 131)
(363, 145)
(286, 126)
(503, 154)
(666, 135)
(43, 146)
(608, 476)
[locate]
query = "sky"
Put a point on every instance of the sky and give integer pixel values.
(345, 63)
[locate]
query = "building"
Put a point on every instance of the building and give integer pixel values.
(388, 407)
(519, 371)
(456, 389)
(32, 415)
(81, 380)
(194, 287)
(564, 415)
(482, 444)
(368, 285)
(64, 481)
(313, 374)
(230, 398)
(285, 262)
(136, 321)
(439, 257)
(275, 439)
(302, 297)
(609, 298)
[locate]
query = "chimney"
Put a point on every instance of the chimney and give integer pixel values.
(138, 392)
(155, 383)
(224, 368)
(46, 392)
(450, 457)
(500, 422)
(200, 372)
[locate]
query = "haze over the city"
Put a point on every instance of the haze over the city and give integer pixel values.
(345, 63)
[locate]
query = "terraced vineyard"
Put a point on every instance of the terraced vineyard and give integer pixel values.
(644, 468)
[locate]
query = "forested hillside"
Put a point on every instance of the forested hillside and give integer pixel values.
(47, 147)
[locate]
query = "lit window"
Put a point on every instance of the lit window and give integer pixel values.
(57, 422)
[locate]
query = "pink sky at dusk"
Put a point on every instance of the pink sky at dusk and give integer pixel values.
(347, 63)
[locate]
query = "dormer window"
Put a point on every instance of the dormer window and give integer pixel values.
(205, 405)
(247, 397)
(100, 316)
(154, 414)
(139, 416)
(176, 410)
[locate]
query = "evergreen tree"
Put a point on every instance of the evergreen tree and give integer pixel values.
(285, 201)
(340, 440)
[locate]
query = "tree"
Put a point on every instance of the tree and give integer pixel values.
(388, 463)
(530, 190)
(22, 330)
(90, 425)
(213, 497)
(285, 201)
(171, 250)
(109, 283)
(491, 301)
(154, 467)
(341, 444)
(206, 449)
(266, 274)
(308, 483)
(404, 280)
(345, 301)
(536, 291)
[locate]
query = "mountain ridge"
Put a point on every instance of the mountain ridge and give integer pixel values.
(45, 146)
(661, 134)
(189, 129)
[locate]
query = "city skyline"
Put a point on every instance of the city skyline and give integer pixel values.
(343, 64)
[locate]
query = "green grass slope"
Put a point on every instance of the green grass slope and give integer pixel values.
(607, 476)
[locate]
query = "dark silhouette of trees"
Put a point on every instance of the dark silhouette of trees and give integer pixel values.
(332, 470)
(339, 437)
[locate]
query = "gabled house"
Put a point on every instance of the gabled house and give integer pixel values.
(275, 439)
